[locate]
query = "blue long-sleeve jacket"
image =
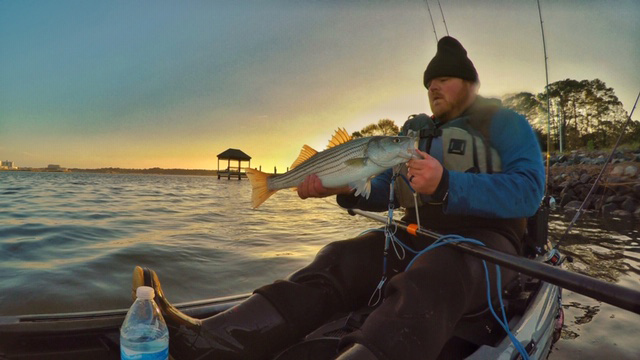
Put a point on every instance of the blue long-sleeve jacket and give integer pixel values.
(515, 192)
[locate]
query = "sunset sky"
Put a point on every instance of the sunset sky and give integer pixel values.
(140, 84)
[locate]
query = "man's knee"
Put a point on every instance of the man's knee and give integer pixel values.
(350, 268)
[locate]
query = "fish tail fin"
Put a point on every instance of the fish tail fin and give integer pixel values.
(259, 189)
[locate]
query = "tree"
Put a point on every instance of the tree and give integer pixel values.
(587, 111)
(527, 104)
(590, 108)
(383, 127)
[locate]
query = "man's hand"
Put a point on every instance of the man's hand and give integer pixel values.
(424, 174)
(312, 187)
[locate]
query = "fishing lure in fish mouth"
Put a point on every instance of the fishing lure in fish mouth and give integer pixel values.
(346, 161)
(415, 137)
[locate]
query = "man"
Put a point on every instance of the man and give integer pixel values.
(480, 175)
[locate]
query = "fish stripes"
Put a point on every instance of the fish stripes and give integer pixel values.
(351, 163)
(328, 162)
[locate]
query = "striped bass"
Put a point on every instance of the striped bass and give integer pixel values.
(346, 161)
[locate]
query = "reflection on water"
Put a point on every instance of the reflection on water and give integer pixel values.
(68, 242)
(608, 250)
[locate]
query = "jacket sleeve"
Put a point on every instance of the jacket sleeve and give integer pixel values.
(517, 190)
(378, 198)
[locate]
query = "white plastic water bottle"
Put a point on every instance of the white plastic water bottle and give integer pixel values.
(144, 334)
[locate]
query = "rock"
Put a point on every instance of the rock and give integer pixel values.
(636, 190)
(615, 199)
(567, 190)
(558, 178)
(585, 178)
(581, 190)
(623, 191)
(615, 180)
(620, 213)
(630, 171)
(637, 213)
(600, 160)
(577, 159)
(574, 204)
(617, 170)
(606, 191)
(628, 205)
(566, 198)
(609, 208)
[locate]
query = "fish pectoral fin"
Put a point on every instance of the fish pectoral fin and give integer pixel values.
(363, 187)
(356, 162)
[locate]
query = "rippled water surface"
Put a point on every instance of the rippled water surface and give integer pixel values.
(69, 241)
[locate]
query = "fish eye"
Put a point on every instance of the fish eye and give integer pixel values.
(396, 140)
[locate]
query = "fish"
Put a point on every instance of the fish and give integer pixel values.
(346, 161)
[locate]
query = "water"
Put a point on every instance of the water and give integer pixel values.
(144, 334)
(608, 250)
(156, 349)
(68, 237)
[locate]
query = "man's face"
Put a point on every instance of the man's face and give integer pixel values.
(449, 97)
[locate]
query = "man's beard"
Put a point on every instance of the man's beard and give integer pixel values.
(455, 106)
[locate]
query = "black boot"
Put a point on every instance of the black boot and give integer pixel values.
(357, 352)
(251, 330)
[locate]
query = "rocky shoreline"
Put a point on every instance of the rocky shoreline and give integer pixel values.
(618, 191)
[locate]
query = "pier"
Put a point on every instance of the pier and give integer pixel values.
(238, 157)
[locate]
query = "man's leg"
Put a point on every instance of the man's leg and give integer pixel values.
(275, 316)
(341, 278)
(423, 304)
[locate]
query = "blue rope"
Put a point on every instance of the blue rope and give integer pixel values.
(447, 239)
(443, 240)
(505, 324)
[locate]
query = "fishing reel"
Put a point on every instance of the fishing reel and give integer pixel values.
(549, 202)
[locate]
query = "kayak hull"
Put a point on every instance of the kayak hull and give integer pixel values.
(533, 319)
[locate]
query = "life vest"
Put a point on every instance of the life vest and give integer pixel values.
(461, 144)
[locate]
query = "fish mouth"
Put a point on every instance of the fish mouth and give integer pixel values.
(411, 153)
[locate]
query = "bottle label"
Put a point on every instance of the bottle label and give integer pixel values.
(134, 355)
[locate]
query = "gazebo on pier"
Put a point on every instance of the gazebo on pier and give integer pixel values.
(235, 155)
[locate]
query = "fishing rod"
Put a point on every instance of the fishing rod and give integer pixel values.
(443, 20)
(609, 293)
(432, 23)
(546, 72)
(585, 202)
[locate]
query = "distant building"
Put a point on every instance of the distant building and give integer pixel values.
(53, 167)
(6, 164)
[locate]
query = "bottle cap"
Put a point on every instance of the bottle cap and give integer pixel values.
(145, 292)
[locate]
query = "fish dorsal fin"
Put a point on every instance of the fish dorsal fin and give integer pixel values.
(340, 137)
(305, 154)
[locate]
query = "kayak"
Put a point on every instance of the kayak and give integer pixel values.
(533, 308)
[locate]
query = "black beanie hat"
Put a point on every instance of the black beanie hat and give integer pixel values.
(450, 60)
